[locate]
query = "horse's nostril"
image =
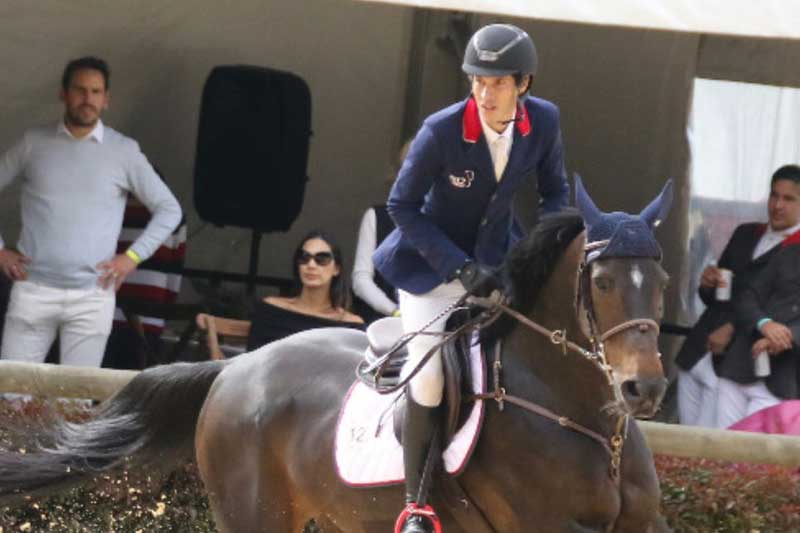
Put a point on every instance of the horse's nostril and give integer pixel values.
(630, 389)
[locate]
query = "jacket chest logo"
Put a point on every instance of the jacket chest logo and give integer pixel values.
(463, 182)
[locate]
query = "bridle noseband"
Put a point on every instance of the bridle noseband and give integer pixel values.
(493, 310)
(596, 355)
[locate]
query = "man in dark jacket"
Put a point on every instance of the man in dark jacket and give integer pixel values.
(767, 319)
(452, 203)
(747, 254)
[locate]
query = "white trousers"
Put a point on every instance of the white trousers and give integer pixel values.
(697, 394)
(37, 313)
(416, 311)
(736, 401)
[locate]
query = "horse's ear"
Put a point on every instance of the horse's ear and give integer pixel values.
(584, 203)
(657, 211)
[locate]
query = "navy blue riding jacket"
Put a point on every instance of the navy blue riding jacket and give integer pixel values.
(447, 204)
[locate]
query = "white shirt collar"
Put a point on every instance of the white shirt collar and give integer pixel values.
(492, 136)
(784, 232)
(97, 132)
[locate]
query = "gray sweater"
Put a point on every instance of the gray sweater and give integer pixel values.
(73, 200)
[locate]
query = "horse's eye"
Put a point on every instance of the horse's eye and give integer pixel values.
(604, 284)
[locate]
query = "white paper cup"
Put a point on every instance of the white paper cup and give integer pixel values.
(724, 288)
(761, 366)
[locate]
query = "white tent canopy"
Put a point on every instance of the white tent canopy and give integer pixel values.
(765, 18)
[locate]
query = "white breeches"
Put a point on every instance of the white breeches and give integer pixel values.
(416, 311)
(736, 401)
(697, 394)
(37, 313)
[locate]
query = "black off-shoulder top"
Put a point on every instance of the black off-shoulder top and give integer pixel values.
(270, 323)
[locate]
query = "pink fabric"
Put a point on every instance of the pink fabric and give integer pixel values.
(783, 419)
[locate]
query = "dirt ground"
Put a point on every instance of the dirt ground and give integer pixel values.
(126, 502)
(697, 495)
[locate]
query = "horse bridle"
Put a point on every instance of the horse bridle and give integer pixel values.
(597, 356)
(494, 309)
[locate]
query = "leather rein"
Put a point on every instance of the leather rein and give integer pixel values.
(614, 444)
(597, 356)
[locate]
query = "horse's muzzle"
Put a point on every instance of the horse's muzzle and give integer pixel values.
(644, 395)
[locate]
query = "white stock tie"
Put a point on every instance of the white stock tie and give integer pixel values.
(500, 156)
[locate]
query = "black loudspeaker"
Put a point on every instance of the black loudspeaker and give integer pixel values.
(252, 148)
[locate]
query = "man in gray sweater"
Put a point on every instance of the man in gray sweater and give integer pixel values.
(76, 176)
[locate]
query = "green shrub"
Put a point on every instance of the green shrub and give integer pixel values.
(697, 495)
(715, 496)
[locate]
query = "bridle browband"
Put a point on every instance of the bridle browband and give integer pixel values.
(493, 310)
(596, 355)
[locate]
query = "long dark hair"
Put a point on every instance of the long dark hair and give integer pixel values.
(340, 284)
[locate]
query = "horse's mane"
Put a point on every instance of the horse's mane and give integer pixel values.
(529, 264)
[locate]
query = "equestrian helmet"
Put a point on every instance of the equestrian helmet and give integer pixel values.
(500, 50)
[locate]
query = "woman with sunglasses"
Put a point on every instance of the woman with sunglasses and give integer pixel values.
(322, 299)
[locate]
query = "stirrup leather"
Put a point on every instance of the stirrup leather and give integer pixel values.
(412, 509)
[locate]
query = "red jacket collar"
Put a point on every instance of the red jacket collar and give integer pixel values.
(472, 128)
(794, 238)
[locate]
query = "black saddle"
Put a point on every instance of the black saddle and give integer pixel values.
(382, 336)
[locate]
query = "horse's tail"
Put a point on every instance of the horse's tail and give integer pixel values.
(150, 422)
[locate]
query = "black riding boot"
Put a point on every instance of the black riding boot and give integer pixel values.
(419, 429)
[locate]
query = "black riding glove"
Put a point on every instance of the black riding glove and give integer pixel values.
(478, 280)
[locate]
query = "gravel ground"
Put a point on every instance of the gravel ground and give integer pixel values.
(121, 503)
(697, 495)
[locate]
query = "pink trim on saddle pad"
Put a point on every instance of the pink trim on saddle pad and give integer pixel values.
(366, 452)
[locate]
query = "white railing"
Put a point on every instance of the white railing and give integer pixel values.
(721, 444)
(62, 381)
(666, 439)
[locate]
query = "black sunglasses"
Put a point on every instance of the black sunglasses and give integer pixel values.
(320, 258)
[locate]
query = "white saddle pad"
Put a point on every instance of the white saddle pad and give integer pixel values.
(366, 451)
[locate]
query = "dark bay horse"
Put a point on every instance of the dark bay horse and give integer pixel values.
(262, 424)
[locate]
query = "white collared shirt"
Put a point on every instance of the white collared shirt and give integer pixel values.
(97, 132)
(772, 238)
(499, 151)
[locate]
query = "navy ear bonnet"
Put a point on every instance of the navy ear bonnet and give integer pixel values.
(627, 235)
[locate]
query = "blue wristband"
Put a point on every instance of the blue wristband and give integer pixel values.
(761, 322)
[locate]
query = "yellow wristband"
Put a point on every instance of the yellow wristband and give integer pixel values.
(134, 256)
(396, 313)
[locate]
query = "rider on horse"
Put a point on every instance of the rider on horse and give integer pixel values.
(452, 203)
